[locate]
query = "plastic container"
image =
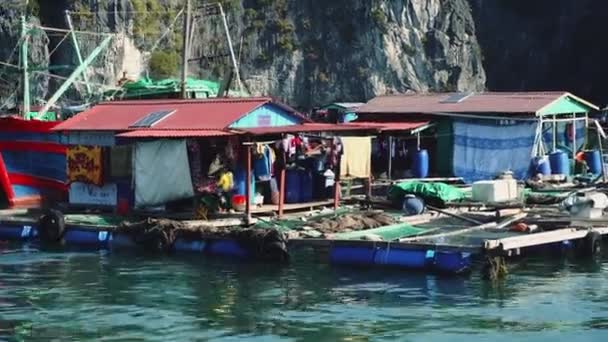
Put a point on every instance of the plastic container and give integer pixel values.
(90, 238)
(560, 165)
(401, 257)
(306, 185)
(227, 248)
(352, 255)
(188, 246)
(292, 186)
(594, 161)
(239, 202)
(420, 166)
(541, 165)
(412, 205)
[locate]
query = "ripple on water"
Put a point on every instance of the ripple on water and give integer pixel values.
(73, 296)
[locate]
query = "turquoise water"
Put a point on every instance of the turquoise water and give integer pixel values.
(84, 296)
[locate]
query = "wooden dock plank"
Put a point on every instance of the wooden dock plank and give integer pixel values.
(538, 239)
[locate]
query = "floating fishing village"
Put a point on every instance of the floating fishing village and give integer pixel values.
(450, 183)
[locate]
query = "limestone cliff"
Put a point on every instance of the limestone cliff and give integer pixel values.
(306, 52)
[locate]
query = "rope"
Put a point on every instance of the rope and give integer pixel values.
(57, 46)
(169, 29)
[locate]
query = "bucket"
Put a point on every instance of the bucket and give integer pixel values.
(420, 165)
(560, 165)
(594, 161)
(239, 202)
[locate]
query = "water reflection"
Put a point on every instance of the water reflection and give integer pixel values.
(77, 295)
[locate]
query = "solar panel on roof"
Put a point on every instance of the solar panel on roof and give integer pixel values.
(456, 98)
(152, 118)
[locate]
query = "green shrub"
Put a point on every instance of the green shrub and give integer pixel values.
(163, 64)
(379, 18)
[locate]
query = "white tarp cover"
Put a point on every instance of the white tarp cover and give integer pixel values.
(162, 172)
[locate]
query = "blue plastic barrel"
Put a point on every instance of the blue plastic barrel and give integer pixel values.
(82, 237)
(240, 182)
(594, 161)
(306, 186)
(190, 246)
(420, 165)
(401, 257)
(292, 186)
(452, 262)
(541, 165)
(346, 255)
(560, 164)
(412, 205)
(227, 248)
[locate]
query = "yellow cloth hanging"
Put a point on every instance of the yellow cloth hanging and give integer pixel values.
(85, 164)
(356, 159)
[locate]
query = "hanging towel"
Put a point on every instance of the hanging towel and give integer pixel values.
(85, 164)
(356, 157)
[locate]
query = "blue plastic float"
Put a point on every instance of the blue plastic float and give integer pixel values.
(86, 238)
(17, 232)
(189, 246)
(448, 262)
(352, 255)
(227, 248)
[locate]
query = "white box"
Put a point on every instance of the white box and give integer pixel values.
(494, 191)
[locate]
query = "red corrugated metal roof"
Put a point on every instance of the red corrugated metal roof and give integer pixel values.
(175, 133)
(391, 126)
(309, 128)
(490, 102)
(189, 114)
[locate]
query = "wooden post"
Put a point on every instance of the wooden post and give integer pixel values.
(336, 193)
(282, 192)
(368, 191)
(248, 185)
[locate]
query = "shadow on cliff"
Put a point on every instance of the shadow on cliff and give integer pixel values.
(544, 45)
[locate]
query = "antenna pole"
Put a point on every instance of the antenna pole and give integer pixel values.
(24, 66)
(232, 56)
(186, 47)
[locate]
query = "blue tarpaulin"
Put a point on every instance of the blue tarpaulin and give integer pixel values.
(485, 148)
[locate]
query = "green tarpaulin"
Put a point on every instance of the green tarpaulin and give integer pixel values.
(145, 87)
(437, 194)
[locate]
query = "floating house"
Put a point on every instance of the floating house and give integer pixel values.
(32, 163)
(479, 135)
(141, 154)
(339, 112)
